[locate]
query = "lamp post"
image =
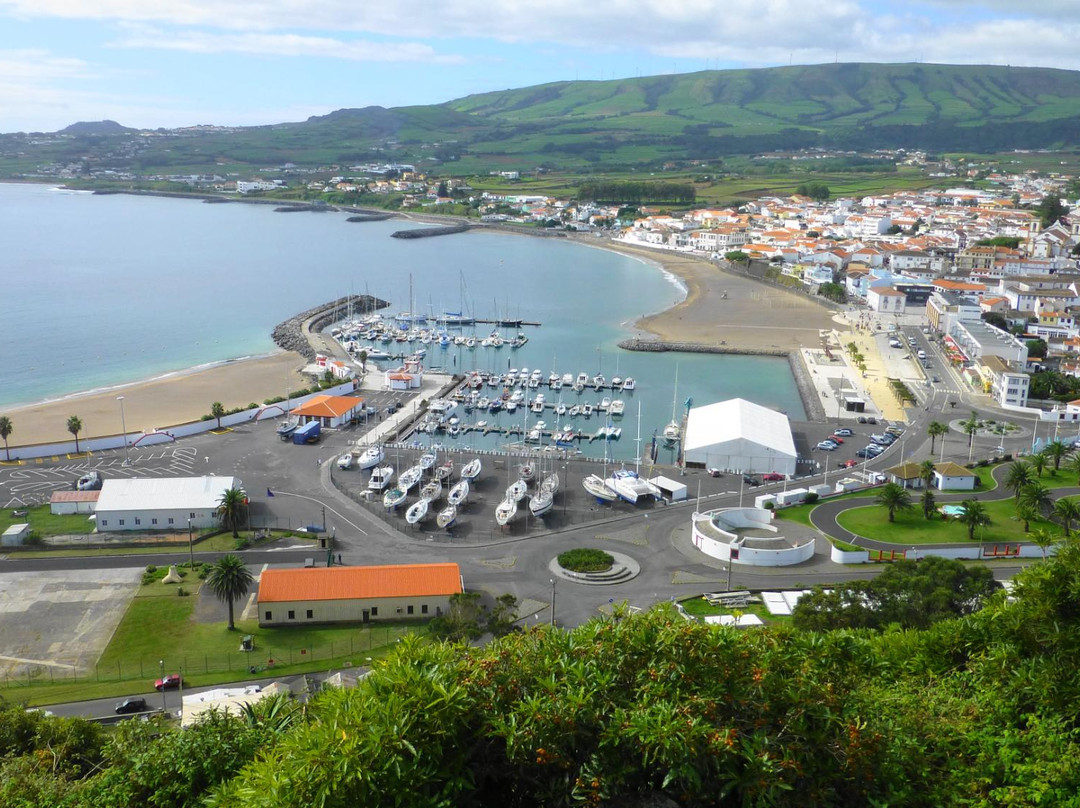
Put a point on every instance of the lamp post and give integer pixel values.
(552, 601)
(190, 545)
(161, 668)
(123, 426)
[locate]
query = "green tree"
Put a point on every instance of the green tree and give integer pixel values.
(1038, 463)
(500, 620)
(362, 356)
(1057, 451)
(737, 257)
(894, 497)
(217, 410)
(229, 579)
(974, 516)
(1068, 511)
(1050, 209)
(463, 619)
(935, 430)
(1037, 348)
(926, 473)
(6, 428)
(231, 509)
(74, 426)
(1037, 496)
(1044, 539)
(1027, 513)
(1018, 478)
(929, 504)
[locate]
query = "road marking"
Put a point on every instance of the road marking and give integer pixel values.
(324, 505)
(43, 662)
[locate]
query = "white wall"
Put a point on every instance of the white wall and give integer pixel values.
(164, 435)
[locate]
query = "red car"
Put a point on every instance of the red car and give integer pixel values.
(836, 438)
(849, 464)
(772, 477)
(170, 682)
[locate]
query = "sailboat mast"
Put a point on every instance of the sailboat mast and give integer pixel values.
(637, 440)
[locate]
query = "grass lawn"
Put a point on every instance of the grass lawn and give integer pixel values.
(159, 625)
(801, 513)
(910, 527)
(44, 523)
(699, 607)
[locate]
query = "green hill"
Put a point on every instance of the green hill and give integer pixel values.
(632, 123)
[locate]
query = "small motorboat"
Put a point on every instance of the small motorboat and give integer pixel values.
(629, 385)
(617, 408)
(410, 477)
(380, 478)
(427, 460)
(345, 461)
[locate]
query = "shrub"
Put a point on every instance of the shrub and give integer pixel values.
(584, 559)
(811, 498)
(769, 506)
(181, 592)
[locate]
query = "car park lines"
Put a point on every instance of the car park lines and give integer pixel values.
(178, 461)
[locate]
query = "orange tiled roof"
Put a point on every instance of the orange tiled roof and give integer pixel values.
(329, 406)
(346, 583)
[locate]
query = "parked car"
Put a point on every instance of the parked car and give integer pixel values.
(875, 449)
(171, 681)
(827, 446)
(882, 440)
(91, 481)
(836, 439)
(861, 419)
(864, 452)
(772, 477)
(871, 419)
(894, 430)
(714, 472)
(751, 481)
(847, 464)
(843, 432)
(130, 706)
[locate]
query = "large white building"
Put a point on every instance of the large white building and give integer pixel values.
(161, 504)
(738, 435)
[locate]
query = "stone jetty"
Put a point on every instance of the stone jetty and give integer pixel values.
(294, 333)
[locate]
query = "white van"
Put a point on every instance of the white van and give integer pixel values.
(921, 354)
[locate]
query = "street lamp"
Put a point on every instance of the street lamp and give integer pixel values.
(161, 668)
(123, 426)
(552, 601)
(190, 545)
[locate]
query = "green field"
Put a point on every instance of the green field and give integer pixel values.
(161, 626)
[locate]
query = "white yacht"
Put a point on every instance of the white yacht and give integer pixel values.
(540, 503)
(410, 477)
(345, 461)
(459, 493)
(471, 470)
(630, 487)
(598, 381)
(618, 406)
(370, 457)
(446, 517)
(505, 511)
(594, 484)
(427, 460)
(431, 491)
(568, 379)
(394, 497)
(516, 491)
(380, 478)
(629, 385)
(417, 512)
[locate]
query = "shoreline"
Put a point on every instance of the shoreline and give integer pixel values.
(720, 311)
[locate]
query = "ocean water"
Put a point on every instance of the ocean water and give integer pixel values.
(102, 290)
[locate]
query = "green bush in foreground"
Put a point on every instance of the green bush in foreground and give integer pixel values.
(584, 559)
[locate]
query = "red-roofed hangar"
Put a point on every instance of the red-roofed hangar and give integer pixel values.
(356, 594)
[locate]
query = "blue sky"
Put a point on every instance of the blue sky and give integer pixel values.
(151, 63)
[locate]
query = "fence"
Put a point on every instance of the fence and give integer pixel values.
(260, 660)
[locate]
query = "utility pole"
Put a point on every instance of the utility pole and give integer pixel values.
(552, 601)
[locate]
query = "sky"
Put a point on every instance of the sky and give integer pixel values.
(170, 63)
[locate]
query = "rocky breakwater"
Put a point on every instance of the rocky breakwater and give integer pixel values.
(428, 232)
(296, 333)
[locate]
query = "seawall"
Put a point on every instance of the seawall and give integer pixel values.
(428, 232)
(807, 393)
(292, 335)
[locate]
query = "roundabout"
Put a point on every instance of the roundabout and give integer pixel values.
(623, 568)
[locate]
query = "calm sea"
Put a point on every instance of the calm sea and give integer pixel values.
(102, 290)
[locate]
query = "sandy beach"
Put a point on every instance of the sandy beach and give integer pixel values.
(725, 308)
(720, 308)
(176, 399)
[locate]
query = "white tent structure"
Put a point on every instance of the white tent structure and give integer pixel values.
(738, 435)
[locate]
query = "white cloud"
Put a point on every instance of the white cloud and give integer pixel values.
(33, 66)
(283, 45)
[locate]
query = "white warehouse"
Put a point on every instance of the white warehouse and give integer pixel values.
(738, 435)
(161, 504)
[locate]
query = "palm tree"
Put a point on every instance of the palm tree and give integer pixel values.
(217, 411)
(1037, 496)
(231, 509)
(1038, 462)
(934, 430)
(926, 472)
(1018, 478)
(928, 503)
(971, 426)
(1056, 451)
(74, 426)
(1027, 514)
(1044, 538)
(1068, 511)
(895, 498)
(974, 516)
(362, 356)
(6, 429)
(229, 580)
